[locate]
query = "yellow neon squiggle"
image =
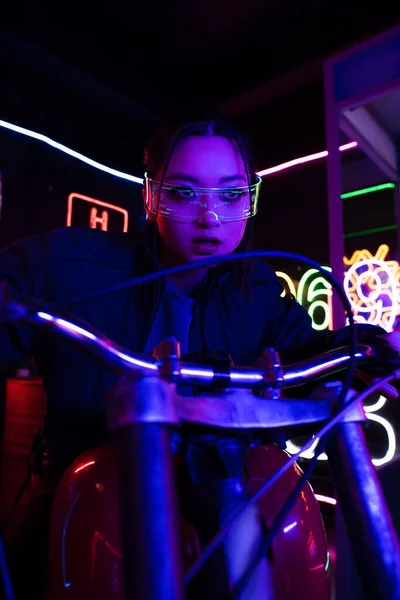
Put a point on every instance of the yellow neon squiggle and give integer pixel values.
(289, 281)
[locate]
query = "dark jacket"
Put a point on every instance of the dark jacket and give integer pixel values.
(72, 261)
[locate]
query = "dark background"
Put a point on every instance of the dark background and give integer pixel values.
(98, 77)
(98, 80)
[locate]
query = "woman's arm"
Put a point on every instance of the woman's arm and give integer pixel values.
(289, 329)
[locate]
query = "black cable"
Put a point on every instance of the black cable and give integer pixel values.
(206, 262)
(225, 259)
(232, 258)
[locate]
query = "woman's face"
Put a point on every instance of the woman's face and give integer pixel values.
(203, 162)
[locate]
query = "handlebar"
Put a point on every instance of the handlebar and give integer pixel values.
(271, 374)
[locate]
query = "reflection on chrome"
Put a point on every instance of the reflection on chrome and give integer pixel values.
(97, 344)
(329, 362)
(246, 376)
(197, 372)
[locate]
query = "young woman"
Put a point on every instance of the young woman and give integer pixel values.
(200, 197)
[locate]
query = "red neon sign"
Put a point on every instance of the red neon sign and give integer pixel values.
(99, 214)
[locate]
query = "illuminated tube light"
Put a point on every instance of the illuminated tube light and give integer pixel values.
(362, 192)
(292, 448)
(94, 219)
(391, 449)
(368, 190)
(371, 283)
(312, 297)
(304, 159)
(73, 153)
(309, 292)
(370, 411)
(133, 178)
(370, 231)
(288, 280)
(382, 278)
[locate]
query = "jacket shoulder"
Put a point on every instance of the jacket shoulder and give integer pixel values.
(70, 244)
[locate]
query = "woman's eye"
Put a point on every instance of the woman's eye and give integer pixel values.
(232, 194)
(184, 193)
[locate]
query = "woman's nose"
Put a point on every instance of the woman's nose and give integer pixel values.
(208, 219)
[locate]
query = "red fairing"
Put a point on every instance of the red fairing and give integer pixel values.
(85, 550)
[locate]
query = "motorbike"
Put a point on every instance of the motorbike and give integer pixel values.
(118, 530)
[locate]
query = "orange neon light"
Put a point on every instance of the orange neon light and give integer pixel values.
(94, 219)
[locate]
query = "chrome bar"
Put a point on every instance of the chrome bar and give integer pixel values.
(242, 409)
(124, 360)
(97, 344)
(324, 364)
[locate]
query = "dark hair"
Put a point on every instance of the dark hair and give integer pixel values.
(159, 151)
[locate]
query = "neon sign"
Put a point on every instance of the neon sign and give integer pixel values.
(96, 213)
(314, 293)
(370, 413)
(371, 283)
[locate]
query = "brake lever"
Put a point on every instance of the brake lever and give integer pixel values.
(386, 390)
